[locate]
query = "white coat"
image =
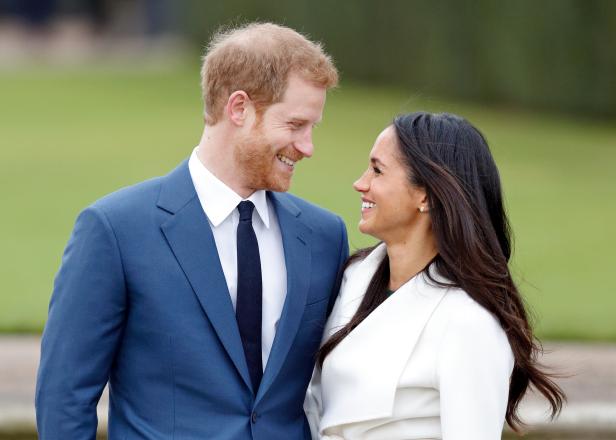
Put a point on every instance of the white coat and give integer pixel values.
(428, 363)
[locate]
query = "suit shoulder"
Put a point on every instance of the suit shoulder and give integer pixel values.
(131, 199)
(310, 211)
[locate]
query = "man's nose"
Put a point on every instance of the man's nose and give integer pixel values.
(304, 145)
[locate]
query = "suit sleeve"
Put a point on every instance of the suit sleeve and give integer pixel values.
(85, 321)
(473, 371)
(343, 256)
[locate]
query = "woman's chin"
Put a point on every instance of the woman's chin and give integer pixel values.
(364, 228)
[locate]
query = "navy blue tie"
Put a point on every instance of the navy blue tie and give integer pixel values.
(248, 305)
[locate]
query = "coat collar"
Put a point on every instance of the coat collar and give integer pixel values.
(368, 363)
(217, 199)
(296, 241)
(190, 237)
(176, 189)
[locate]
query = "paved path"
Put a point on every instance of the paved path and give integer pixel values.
(591, 388)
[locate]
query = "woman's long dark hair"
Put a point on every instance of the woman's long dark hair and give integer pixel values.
(450, 159)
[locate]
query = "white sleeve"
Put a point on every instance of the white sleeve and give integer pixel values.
(312, 403)
(473, 372)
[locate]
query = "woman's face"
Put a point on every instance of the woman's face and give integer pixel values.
(390, 204)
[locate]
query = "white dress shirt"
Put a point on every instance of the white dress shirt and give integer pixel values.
(219, 203)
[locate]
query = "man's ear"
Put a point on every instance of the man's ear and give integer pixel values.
(238, 107)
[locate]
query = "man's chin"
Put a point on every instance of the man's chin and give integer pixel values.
(279, 185)
(280, 188)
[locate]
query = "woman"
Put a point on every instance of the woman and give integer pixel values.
(429, 338)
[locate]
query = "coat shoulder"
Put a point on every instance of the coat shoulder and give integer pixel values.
(465, 325)
(130, 204)
(467, 314)
(318, 219)
(147, 190)
(309, 210)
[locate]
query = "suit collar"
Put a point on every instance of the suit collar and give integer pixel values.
(371, 359)
(282, 201)
(296, 241)
(190, 237)
(219, 200)
(176, 189)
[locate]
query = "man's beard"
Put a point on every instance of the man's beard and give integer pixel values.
(255, 158)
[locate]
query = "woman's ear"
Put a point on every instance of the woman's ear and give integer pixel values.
(423, 202)
(237, 107)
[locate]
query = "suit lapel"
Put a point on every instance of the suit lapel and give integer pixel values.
(190, 237)
(296, 243)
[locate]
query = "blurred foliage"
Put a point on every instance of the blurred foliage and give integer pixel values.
(69, 136)
(550, 54)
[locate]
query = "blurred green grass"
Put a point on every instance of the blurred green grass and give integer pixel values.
(69, 136)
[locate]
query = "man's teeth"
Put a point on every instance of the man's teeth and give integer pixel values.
(367, 205)
(285, 160)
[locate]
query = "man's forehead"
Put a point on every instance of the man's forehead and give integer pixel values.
(297, 87)
(299, 117)
(298, 111)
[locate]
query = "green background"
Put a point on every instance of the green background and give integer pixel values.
(69, 136)
(555, 55)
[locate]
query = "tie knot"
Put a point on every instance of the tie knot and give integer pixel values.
(245, 209)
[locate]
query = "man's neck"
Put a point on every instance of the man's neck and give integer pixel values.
(216, 154)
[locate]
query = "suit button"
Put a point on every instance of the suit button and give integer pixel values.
(253, 417)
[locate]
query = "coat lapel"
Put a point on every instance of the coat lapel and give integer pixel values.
(371, 359)
(296, 244)
(190, 237)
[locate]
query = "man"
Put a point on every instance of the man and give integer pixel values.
(201, 296)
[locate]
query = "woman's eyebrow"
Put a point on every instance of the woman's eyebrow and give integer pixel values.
(377, 161)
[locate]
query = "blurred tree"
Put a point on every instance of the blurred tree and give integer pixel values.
(555, 54)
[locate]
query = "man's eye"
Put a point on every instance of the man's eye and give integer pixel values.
(376, 170)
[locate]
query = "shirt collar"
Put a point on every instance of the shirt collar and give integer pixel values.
(217, 199)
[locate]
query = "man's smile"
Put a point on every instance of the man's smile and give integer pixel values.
(286, 160)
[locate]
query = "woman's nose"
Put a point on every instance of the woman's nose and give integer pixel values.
(361, 184)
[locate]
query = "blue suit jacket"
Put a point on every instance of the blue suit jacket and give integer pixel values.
(141, 301)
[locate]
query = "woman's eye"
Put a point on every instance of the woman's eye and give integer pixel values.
(376, 170)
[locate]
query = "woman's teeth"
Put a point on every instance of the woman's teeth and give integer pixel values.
(285, 160)
(367, 205)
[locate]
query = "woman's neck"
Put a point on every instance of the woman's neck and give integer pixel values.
(408, 257)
